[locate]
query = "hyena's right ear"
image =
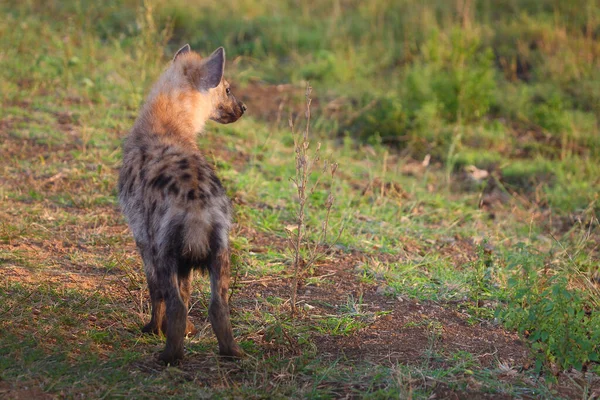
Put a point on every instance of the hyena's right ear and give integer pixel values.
(213, 69)
(183, 50)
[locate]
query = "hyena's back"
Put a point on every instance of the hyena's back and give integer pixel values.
(175, 204)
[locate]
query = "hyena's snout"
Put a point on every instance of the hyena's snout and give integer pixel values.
(240, 108)
(230, 112)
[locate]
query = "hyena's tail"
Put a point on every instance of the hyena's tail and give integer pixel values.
(173, 274)
(186, 244)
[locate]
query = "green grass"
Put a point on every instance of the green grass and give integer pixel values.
(510, 88)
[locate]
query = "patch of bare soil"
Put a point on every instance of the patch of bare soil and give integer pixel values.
(411, 331)
(22, 391)
(445, 392)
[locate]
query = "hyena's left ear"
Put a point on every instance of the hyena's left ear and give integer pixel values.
(213, 69)
(183, 50)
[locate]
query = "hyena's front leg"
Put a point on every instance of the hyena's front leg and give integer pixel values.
(176, 320)
(218, 311)
(185, 290)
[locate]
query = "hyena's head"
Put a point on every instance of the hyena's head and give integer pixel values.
(206, 76)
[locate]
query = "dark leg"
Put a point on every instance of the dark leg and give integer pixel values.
(218, 311)
(176, 320)
(185, 290)
(158, 322)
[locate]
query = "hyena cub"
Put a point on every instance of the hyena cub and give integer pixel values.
(173, 200)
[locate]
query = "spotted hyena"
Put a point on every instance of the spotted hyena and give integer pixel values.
(174, 202)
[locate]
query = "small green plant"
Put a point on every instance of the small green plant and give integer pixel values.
(339, 326)
(283, 332)
(480, 283)
(558, 320)
(481, 280)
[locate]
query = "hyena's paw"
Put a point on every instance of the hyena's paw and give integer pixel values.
(190, 329)
(232, 351)
(152, 329)
(171, 357)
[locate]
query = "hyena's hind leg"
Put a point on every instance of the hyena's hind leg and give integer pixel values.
(176, 311)
(185, 290)
(218, 311)
(158, 321)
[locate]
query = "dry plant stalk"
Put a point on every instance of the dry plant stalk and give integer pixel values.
(305, 164)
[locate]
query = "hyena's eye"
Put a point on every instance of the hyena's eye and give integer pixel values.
(228, 91)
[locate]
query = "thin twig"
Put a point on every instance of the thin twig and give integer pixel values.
(262, 280)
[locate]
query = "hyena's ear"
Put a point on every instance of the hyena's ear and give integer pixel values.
(183, 50)
(213, 69)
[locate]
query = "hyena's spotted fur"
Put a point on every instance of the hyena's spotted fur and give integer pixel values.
(173, 200)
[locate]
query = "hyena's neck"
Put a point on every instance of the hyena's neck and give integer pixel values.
(175, 115)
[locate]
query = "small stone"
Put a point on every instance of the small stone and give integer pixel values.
(384, 289)
(447, 240)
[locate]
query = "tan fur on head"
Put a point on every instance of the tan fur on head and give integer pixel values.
(190, 91)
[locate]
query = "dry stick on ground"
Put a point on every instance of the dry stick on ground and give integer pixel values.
(304, 166)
